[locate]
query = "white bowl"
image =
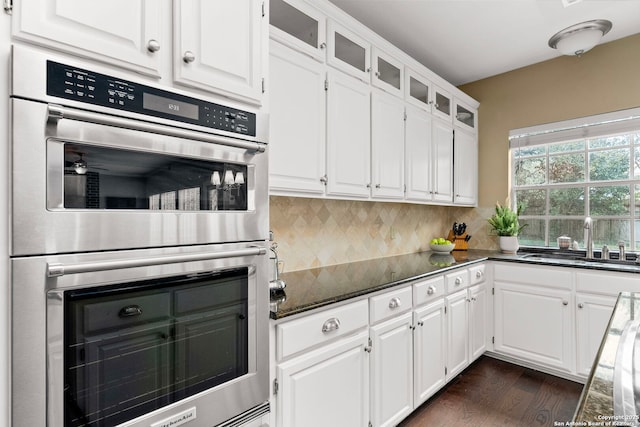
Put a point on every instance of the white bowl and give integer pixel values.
(442, 248)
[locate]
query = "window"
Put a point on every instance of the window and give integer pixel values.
(566, 171)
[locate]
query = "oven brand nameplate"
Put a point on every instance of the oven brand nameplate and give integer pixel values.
(177, 419)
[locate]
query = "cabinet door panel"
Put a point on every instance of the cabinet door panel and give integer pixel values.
(348, 136)
(218, 46)
(442, 162)
(297, 107)
(387, 145)
(477, 321)
(418, 156)
(392, 371)
(430, 350)
(593, 314)
(466, 168)
(534, 324)
(97, 30)
(326, 387)
(457, 333)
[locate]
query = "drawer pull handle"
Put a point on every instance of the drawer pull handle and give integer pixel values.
(130, 311)
(395, 303)
(431, 290)
(332, 324)
(458, 280)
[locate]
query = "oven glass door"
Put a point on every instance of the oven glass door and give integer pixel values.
(98, 177)
(132, 348)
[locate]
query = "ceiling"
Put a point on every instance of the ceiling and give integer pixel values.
(468, 40)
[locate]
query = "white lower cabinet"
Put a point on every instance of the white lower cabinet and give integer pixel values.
(534, 315)
(592, 317)
(331, 370)
(457, 317)
(326, 387)
(392, 371)
(430, 341)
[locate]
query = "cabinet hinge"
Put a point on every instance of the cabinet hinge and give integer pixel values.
(405, 116)
(276, 386)
(493, 340)
(445, 370)
(370, 425)
(445, 309)
(8, 6)
(326, 85)
(369, 346)
(493, 291)
(263, 11)
(263, 85)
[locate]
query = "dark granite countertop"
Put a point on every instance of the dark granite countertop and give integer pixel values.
(318, 287)
(596, 403)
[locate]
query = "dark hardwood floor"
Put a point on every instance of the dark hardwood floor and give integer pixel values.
(493, 393)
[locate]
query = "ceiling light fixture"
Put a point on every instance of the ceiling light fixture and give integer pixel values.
(580, 38)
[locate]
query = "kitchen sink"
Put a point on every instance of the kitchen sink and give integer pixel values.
(573, 258)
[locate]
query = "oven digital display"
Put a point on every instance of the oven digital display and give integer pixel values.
(169, 106)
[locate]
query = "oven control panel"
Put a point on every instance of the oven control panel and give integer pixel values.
(68, 82)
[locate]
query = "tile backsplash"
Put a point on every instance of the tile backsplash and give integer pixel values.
(320, 232)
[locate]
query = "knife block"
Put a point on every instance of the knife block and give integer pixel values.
(458, 241)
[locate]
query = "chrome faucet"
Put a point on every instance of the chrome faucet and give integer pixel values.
(277, 284)
(588, 227)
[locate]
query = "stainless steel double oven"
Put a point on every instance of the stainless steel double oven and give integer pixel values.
(139, 229)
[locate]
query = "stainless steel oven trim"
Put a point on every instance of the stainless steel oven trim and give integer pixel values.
(58, 112)
(38, 325)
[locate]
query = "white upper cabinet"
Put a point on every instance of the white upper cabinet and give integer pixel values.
(388, 73)
(348, 136)
(219, 45)
(442, 103)
(299, 26)
(418, 155)
(442, 162)
(465, 168)
(417, 90)
(125, 33)
(465, 116)
(387, 146)
(297, 107)
(348, 52)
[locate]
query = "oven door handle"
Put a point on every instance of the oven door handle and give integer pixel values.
(58, 269)
(58, 112)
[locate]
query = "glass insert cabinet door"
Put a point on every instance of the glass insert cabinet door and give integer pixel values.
(299, 26)
(388, 73)
(101, 177)
(418, 90)
(465, 116)
(442, 103)
(348, 52)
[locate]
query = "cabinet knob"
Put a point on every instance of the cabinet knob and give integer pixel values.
(368, 70)
(565, 302)
(431, 290)
(458, 281)
(324, 179)
(478, 274)
(153, 46)
(377, 185)
(395, 303)
(474, 299)
(368, 185)
(421, 323)
(323, 45)
(332, 324)
(188, 57)
(378, 74)
(581, 305)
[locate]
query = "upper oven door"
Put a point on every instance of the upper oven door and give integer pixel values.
(85, 181)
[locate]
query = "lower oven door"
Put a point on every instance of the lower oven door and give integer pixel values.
(140, 338)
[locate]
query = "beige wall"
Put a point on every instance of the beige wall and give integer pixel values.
(605, 79)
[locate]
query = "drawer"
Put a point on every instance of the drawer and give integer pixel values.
(541, 275)
(476, 275)
(389, 304)
(318, 328)
(607, 283)
(428, 290)
(456, 281)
